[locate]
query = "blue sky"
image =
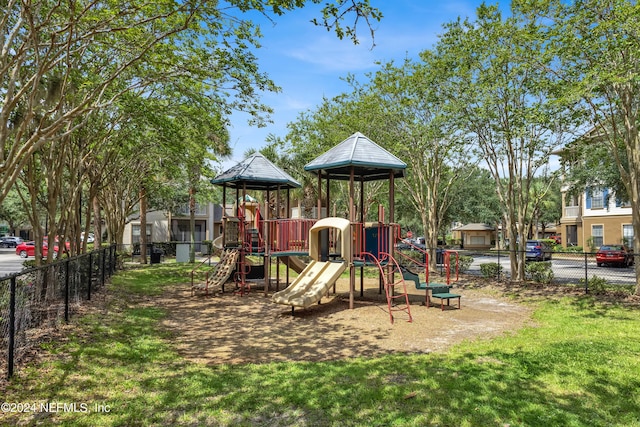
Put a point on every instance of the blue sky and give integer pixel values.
(308, 62)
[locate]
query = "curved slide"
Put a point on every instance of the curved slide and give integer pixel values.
(311, 285)
(217, 242)
(294, 263)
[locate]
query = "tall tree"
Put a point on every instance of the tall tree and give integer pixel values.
(82, 56)
(506, 108)
(597, 47)
(420, 130)
(12, 212)
(474, 199)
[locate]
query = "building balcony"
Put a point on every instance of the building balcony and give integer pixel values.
(201, 210)
(571, 211)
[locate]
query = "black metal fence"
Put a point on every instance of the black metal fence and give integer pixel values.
(563, 268)
(34, 301)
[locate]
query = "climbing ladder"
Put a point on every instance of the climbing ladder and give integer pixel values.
(393, 282)
(242, 269)
(220, 273)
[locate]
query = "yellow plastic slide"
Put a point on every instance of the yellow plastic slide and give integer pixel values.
(312, 284)
(295, 263)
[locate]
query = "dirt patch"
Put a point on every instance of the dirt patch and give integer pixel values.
(251, 328)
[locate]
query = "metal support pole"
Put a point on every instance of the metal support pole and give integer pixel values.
(12, 326)
(90, 275)
(586, 275)
(66, 291)
(114, 258)
(103, 257)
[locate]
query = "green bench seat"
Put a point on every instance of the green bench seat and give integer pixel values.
(436, 290)
(443, 296)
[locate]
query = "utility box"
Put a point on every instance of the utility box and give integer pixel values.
(182, 252)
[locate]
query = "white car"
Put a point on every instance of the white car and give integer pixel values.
(90, 238)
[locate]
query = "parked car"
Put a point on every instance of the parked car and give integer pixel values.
(90, 237)
(28, 249)
(538, 250)
(10, 241)
(409, 245)
(614, 255)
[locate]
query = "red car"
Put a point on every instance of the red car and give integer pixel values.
(614, 254)
(27, 249)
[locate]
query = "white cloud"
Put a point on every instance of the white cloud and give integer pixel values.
(331, 55)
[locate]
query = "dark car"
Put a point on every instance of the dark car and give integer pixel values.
(409, 245)
(538, 250)
(614, 255)
(10, 241)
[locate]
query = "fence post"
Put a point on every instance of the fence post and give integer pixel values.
(499, 265)
(586, 275)
(114, 258)
(90, 275)
(103, 255)
(66, 291)
(110, 261)
(12, 326)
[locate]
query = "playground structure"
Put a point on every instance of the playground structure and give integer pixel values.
(219, 275)
(321, 273)
(333, 244)
(437, 290)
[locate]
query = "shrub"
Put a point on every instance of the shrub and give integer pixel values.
(464, 263)
(570, 249)
(490, 269)
(29, 263)
(539, 272)
(417, 256)
(596, 285)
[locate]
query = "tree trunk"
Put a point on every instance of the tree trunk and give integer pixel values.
(634, 193)
(97, 223)
(431, 235)
(143, 225)
(192, 224)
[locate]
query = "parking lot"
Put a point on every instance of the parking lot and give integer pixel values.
(10, 262)
(567, 268)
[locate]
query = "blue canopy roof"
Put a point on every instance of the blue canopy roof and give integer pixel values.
(368, 160)
(256, 173)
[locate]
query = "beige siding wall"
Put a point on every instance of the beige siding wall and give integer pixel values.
(478, 239)
(611, 226)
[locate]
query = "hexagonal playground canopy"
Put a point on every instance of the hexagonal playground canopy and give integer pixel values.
(368, 160)
(256, 172)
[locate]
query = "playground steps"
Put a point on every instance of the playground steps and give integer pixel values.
(437, 290)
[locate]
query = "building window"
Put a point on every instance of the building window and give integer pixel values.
(597, 199)
(200, 210)
(135, 233)
(627, 235)
(477, 240)
(597, 235)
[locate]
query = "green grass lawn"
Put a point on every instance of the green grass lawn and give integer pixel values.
(578, 366)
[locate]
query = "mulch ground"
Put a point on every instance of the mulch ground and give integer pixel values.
(252, 329)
